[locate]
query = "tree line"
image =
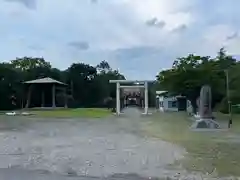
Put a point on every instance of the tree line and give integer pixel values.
(188, 74)
(88, 86)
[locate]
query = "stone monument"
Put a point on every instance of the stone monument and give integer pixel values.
(205, 119)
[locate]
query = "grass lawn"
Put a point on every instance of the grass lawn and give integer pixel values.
(208, 152)
(71, 113)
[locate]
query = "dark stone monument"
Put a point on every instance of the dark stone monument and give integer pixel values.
(205, 119)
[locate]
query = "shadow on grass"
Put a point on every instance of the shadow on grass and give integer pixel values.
(208, 152)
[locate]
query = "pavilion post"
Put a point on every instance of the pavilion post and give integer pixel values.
(146, 97)
(29, 96)
(53, 96)
(118, 98)
(65, 98)
(43, 99)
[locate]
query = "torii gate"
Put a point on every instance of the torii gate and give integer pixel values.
(138, 84)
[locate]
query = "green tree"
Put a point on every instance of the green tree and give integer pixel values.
(10, 86)
(188, 74)
(103, 67)
(88, 86)
(27, 63)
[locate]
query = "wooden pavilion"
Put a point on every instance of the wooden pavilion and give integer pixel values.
(51, 83)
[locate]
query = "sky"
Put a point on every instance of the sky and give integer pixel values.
(138, 37)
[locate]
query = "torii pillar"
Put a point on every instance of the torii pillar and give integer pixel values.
(118, 109)
(53, 96)
(146, 97)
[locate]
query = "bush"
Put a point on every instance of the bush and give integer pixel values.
(223, 107)
(235, 100)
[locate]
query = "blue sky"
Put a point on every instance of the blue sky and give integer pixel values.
(138, 37)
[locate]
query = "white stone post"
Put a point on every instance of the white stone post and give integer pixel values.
(118, 98)
(146, 97)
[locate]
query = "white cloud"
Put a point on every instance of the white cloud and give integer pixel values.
(218, 34)
(164, 10)
(116, 31)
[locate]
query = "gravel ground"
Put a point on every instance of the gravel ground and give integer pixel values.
(111, 148)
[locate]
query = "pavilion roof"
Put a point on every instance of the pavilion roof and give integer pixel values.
(46, 80)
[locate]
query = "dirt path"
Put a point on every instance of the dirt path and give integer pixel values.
(94, 148)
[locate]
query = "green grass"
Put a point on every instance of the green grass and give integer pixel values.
(72, 113)
(207, 151)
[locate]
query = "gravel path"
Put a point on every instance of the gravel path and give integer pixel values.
(84, 148)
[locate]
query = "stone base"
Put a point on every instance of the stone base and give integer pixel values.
(197, 116)
(118, 114)
(205, 123)
(148, 113)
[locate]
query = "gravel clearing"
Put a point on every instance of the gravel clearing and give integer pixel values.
(112, 148)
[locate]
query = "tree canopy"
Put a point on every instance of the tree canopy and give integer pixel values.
(188, 74)
(88, 86)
